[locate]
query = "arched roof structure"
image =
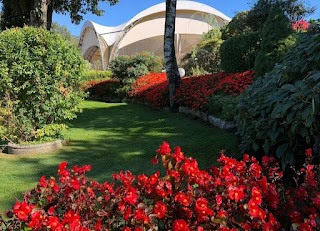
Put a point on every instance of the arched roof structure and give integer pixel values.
(145, 32)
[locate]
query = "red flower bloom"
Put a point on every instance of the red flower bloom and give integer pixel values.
(183, 199)
(218, 199)
(256, 196)
(22, 210)
(236, 193)
(131, 196)
(304, 227)
(256, 212)
(54, 223)
(164, 149)
(309, 152)
(180, 225)
(160, 209)
(140, 215)
(201, 204)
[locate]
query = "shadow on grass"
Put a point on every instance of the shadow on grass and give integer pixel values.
(115, 137)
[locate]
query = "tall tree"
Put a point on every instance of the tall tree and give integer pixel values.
(39, 12)
(169, 52)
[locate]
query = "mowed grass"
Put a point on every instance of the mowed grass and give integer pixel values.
(111, 138)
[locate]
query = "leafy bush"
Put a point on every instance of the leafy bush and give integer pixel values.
(280, 111)
(237, 26)
(243, 194)
(97, 75)
(238, 52)
(40, 75)
(275, 41)
(223, 106)
(205, 56)
(125, 67)
(128, 68)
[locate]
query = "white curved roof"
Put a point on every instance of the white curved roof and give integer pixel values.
(110, 34)
(181, 5)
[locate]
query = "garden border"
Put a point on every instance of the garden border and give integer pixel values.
(17, 149)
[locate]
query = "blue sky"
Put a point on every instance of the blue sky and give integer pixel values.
(126, 9)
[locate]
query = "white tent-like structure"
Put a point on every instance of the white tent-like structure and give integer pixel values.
(145, 32)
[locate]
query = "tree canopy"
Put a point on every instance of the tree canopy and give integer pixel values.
(39, 12)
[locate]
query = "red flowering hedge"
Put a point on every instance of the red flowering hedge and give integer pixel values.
(102, 89)
(237, 195)
(193, 92)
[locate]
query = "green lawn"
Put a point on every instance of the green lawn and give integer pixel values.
(114, 137)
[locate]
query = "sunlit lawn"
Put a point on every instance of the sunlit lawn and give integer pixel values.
(114, 137)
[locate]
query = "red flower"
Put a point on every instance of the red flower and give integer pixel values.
(183, 199)
(22, 210)
(309, 152)
(140, 215)
(180, 225)
(304, 227)
(236, 193)
(256, 196)
(36, 220)
(164, 149)
(62, 166)
(160, 209)
(54, 223)
(218, 199)
(256, 212)
(178, 155)
(201, 204)
(131, 195)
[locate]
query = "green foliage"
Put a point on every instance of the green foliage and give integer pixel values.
(40, 75)
(294, 9)
(124, 66)
(237, 26)
(238, 52)
(23, 12)
(128, 68)
(65, 33)
(280, 111)
(97, 75)
(205, 57)
(223, 106)
(275, 41)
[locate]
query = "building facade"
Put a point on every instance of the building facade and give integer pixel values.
(145, 32)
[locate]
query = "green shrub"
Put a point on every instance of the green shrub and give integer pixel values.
(223, 106)
(205, 57)
(275, 41)
(40, 75)
(238, 52)
(128, 68)
(96, 75)
(280, 111)
(124, 66)
(237, 26)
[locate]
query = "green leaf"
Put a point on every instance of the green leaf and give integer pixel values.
(281, 150)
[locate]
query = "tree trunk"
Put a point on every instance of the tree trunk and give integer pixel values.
(170, 54)
(39, 13)
(49, 14)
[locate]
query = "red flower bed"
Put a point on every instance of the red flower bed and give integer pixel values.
(102, 88)
(193, 92)
(152, 89)
(237, 195)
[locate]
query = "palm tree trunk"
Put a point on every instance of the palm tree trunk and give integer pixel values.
(170, 54)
